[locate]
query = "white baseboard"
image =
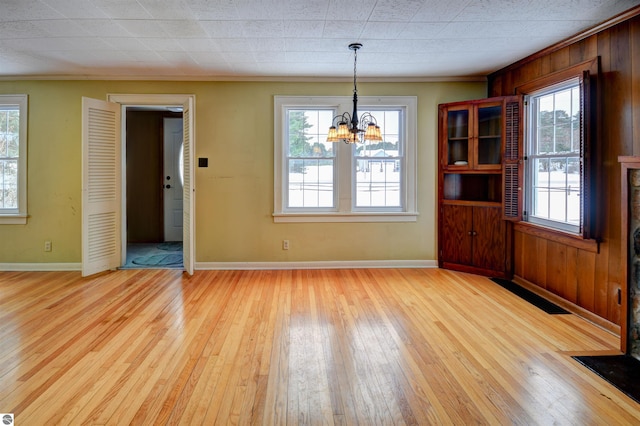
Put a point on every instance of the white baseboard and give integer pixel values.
(353, 264)
(40, 266)
(349, 264)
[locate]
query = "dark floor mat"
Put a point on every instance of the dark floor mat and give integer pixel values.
(531, 297)
(622, 371)
(159, 260)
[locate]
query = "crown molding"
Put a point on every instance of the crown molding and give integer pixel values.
(274, 79)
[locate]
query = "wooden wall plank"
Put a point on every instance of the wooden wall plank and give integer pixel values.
(584, 50)
(601, 281)
(530, 258)
(541, 265)
(614, 308)
(586, 267)
(620, 88)
(571, 283)
(560, 59)
(518, 262)
(634, 35)
(556, 268)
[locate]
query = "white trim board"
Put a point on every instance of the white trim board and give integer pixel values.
(203, 266)
(355, 264)
(40, 266)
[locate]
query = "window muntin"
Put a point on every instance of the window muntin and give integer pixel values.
(554, 194)
(320, 182)
(13, 149)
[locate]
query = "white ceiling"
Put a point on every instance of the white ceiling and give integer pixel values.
(283, 38)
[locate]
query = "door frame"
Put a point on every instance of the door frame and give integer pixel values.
(159, 100)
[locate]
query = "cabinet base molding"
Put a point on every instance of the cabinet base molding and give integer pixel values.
(474, 270)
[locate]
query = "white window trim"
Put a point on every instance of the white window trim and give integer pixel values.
(548, 223)
(18, 216)
(345, 210)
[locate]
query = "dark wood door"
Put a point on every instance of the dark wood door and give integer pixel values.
(457, 223)
(489, 236)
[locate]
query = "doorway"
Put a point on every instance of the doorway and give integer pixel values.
(174, 102)
(154, 190)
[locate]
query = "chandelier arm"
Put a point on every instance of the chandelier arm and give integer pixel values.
(344, 117)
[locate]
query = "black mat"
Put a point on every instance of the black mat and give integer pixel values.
(622, 371)
(531, 297)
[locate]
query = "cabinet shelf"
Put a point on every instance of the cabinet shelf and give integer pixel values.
(471, 203)
(485, 187)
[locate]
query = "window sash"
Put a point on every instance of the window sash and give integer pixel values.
(378, 171)
(310, 180)
(13, 159)
(550, 191)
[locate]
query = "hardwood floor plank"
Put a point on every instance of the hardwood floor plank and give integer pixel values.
(364, 346)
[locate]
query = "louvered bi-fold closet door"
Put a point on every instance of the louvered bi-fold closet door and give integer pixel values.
(188, 203)
(101, 174)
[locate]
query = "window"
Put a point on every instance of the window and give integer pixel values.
(554, 187)
(13, 159)
(310, 168)
(319, 181)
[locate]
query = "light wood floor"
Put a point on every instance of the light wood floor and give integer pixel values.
(388, 346)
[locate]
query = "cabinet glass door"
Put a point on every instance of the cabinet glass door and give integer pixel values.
(489, 145)
(458, 138)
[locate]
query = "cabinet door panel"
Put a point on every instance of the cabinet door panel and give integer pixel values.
(489, 238)
(456, 238)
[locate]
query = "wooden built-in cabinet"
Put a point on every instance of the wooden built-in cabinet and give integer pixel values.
(472, 234)
(473, 239)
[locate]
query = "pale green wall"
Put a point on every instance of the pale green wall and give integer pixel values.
(234, 199)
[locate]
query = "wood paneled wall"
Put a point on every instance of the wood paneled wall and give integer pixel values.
(590, 280)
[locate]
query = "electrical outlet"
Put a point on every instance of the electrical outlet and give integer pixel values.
(285, 244)
(47, 246)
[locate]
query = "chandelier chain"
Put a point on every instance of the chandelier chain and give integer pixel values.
(355, 61)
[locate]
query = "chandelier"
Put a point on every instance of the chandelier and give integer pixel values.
(347, 129)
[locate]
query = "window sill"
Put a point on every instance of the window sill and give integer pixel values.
(557, 236)
(13, 219)
(344, 217)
